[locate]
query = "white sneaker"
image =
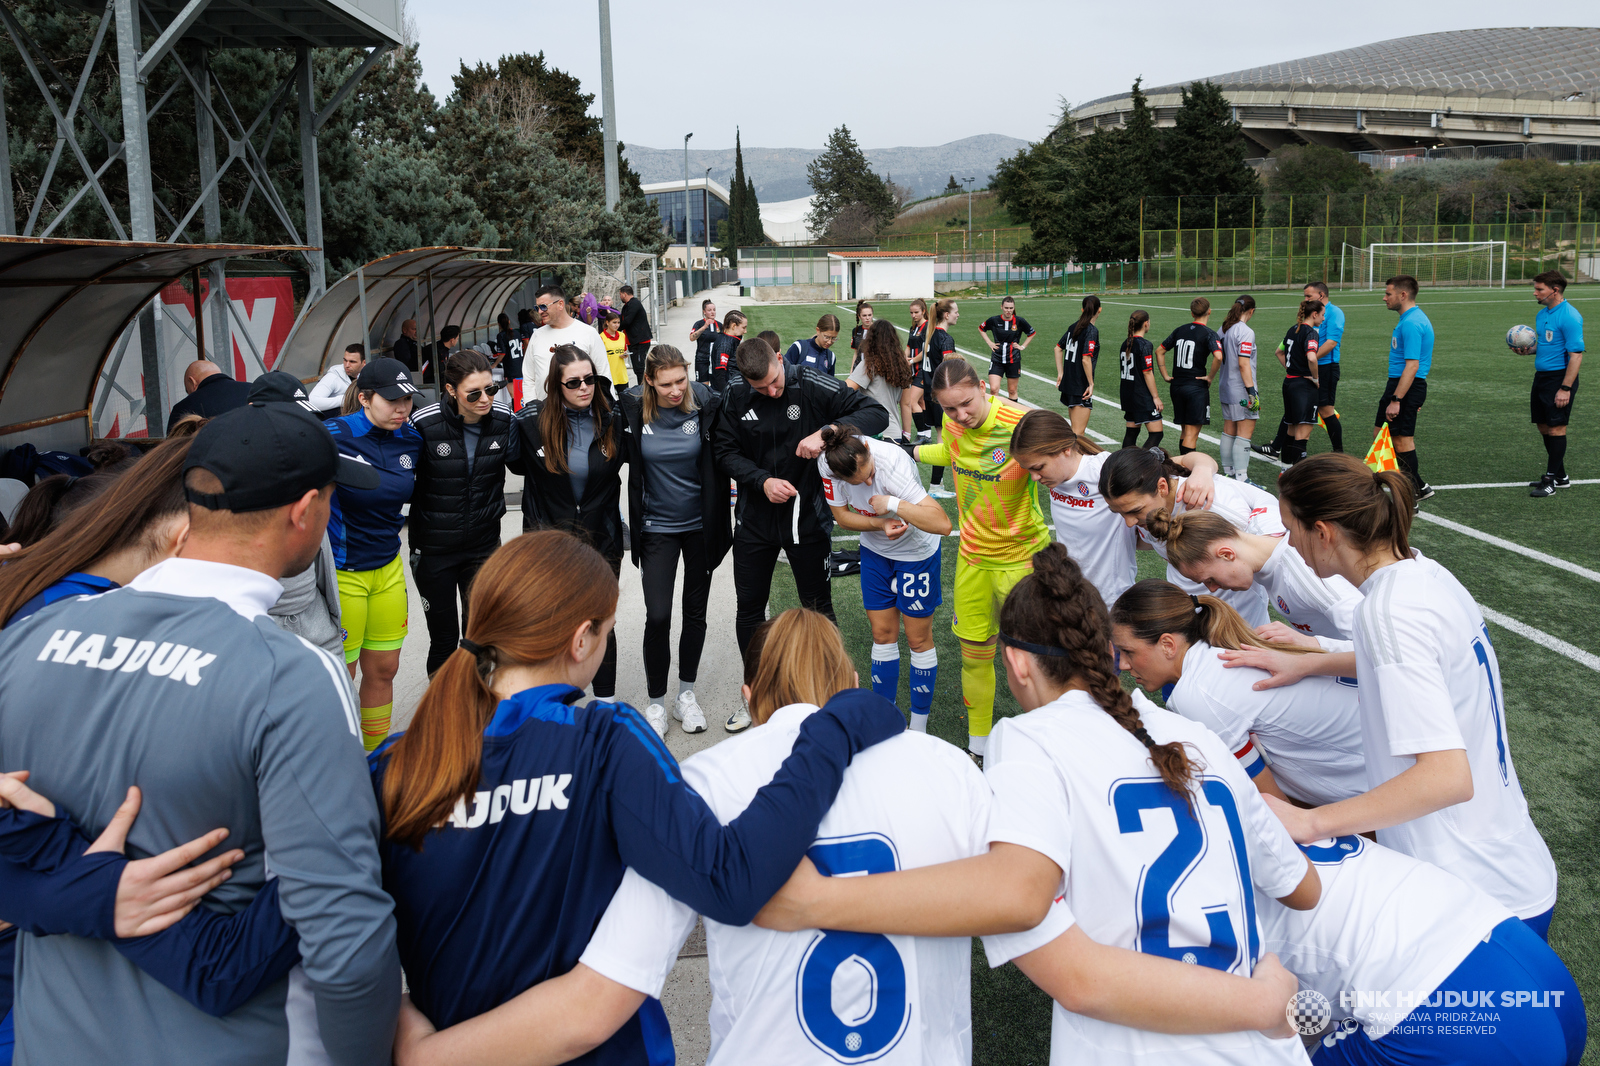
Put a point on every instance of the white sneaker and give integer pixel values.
(656, 715)
(687, 710)
(939, 492)
(738, 721)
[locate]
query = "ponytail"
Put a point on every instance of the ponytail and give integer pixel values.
(1237, 312)
(1041, 432)
(1057, 607)
(1190, 535)
(1136, 322)
(1153, 607)
(1307, 309)
(1091, 307)
(1372, 508)
(843, 448)
(941, 310)
(1137, 470)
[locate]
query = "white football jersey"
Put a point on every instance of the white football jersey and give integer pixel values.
(1096, 537)
(1430, 681)
(1140, 871)
(1320, 606)
(1249, 509)
(812, 997)
(1387, 925)
(894, 473)
(1310, 731)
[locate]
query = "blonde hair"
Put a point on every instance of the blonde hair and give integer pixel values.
(802, 660)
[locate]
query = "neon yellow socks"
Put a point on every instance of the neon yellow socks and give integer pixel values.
(375, 724)
(977, 691)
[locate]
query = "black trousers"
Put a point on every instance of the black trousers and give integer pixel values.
(440, 579)
(752, 581)
(605, 678)
(658, 567)
(636, 354)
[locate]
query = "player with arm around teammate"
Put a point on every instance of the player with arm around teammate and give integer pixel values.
(1077, 353)
(1310, 732)
(1555, 377)
(873, 488)
(1086, 790)
(1196, 353)
(1006, 335)
(1443, 785)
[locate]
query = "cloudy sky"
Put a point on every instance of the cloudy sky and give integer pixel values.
(922, 73)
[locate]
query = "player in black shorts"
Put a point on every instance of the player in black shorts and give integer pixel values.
(1007, 335)
(1076, 354)
(1298, 354)
(1141, 404)
(1196, 355)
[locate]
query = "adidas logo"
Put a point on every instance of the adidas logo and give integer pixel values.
(648, 432)
(920, 688)
(494, 446)
(916, 605)
(750, 416)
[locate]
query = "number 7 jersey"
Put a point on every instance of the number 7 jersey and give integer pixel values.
(1139, 870)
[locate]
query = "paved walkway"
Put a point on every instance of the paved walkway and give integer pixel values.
(688, 994)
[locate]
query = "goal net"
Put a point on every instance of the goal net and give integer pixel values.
(1431, 263)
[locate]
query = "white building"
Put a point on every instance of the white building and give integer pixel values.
(884, 275)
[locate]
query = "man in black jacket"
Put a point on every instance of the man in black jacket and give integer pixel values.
(211, 392)
(767, 438)
(636, 327)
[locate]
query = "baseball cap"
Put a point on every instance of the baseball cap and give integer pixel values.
(275, 386)
(267, 456)
(389, 378)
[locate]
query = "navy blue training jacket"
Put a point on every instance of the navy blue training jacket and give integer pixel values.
(364, 527)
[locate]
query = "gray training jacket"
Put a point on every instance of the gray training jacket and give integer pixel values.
(180, 684)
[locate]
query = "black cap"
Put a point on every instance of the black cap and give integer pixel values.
(389, 378)
(267, 456)
(275, 386)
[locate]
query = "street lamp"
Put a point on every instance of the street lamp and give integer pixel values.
(706, 206)
(688, 278)
(969, 183)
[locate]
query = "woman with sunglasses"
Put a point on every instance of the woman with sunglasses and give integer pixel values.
(460, 495)
(569, 447)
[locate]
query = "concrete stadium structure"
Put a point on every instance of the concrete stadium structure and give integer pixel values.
(1456, 88)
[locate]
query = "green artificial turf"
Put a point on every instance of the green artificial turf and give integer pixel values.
(1474, 428)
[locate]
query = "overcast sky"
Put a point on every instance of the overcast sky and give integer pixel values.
(900, 74)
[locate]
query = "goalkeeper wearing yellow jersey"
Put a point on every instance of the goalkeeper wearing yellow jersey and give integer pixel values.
(1001, 526)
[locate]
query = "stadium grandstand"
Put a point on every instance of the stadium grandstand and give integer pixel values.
(1456, 89)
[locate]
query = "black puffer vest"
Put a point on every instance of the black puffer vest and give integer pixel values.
(452, 511)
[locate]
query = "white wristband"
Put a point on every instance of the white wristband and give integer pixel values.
(894, 506)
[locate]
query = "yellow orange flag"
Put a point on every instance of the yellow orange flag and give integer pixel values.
(1382, 457)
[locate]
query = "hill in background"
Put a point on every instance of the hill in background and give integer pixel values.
(780, 173)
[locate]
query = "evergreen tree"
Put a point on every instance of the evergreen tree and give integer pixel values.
(734, 233)
(1204, 154)
(952, 186)
(842, 181)
(754, 232)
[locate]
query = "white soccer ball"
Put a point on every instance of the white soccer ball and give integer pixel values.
(1522, 340)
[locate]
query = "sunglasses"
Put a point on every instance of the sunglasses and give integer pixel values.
(477, 394)
(548, 306)
(574, 384)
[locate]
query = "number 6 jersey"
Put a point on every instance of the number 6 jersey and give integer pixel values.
(815, 997)
(1139, 870)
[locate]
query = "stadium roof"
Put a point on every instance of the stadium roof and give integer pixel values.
(1458, 86)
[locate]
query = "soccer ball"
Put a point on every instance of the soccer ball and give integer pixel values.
(1522, 340)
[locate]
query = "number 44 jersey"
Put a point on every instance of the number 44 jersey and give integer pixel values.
(1144, 867)
(817, 997)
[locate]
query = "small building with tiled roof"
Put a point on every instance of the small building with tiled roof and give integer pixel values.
(883, 275)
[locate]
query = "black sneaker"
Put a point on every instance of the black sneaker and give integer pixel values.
(1563, 482)
(1270, 450)
(975, 757)
(1546, 487)
(1425, 492)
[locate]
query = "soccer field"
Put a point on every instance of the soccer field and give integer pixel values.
(1530, 563)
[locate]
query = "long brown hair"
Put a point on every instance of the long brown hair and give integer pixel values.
(1136, 321)
(801, 661)
(885, 356)
(1041, 432)
(535, 593)
(1091, 307)
(47, 504)
(1373, 508)
(126, 514)
(843, 448)
(664, 357)
(921, 303)
(940, 310)
(1306, 310)
(1190, 535)
(1236, 313)
(553, 416)
(1139, 470)
(1152, 607)
(1057, 607)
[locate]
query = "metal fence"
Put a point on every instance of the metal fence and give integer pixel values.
(1391, 158)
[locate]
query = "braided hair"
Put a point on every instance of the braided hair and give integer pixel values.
(1056, 606)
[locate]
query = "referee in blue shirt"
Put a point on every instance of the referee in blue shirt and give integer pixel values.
(1555, 376)
(1410, 359)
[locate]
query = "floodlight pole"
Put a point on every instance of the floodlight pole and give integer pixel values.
(706, 216)
(305, 90)
(970, 182)
(141, 202)
(688, 274)
(608, 108)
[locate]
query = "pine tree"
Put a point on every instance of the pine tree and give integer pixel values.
(1204, 154)
(952, 186)
(842, 180)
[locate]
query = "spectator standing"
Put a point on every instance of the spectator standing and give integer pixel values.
(703, 333)
(460, 496)
(816, 351)
(767, 438)
(210, 392)
(679, 509)
(327, 396)
(449, 344)
(568, 447)
(636, 327)
(884, 375)
(365, 530)
(616, 350)
(559, 328)
(257, 734)
(405, 346)
(724, 365)
(503, 342)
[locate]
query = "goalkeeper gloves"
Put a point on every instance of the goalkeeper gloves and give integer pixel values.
(1252, 400)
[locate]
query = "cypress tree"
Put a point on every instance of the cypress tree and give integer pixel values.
(1205, 151)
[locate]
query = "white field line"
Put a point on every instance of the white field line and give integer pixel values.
(1511, 546)
(1506, 485)
(1543, 639)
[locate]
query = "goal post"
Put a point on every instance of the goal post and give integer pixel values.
(1432, 263)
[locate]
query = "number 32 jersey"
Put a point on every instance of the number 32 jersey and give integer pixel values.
(812, 998)
(1139, 870)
